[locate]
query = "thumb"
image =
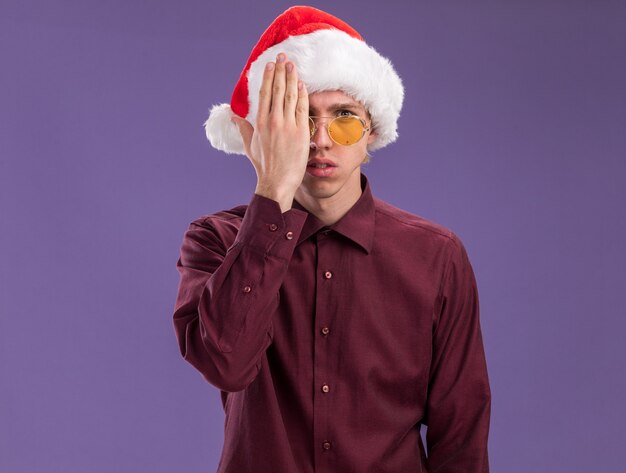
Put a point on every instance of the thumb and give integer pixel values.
(245, 130)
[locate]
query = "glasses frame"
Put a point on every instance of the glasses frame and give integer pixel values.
(327, 125)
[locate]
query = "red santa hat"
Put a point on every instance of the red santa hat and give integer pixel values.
(329, 55)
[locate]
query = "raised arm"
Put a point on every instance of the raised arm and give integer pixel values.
(228, 293)
(226, 296)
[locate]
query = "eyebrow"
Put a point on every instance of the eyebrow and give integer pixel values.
(339, 106)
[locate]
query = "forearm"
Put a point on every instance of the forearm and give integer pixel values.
(223, 314)
(458, 426)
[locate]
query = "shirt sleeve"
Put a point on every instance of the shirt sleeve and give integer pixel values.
(459, 397)
(227, 296)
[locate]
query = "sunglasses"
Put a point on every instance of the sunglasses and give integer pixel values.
(344, 130)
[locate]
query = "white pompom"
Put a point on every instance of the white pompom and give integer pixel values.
(221, 132)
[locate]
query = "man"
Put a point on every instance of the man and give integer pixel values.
(334, 324)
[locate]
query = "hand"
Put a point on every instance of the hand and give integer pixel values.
(279, 145)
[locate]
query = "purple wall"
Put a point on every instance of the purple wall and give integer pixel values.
(514, 123)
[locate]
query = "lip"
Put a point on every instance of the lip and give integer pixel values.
(321, 161)
(321, 172)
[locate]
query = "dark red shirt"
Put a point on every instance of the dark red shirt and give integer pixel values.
(332, 345)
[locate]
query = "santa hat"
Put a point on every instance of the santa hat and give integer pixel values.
(329, 55)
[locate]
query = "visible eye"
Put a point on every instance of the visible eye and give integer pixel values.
(344, 113)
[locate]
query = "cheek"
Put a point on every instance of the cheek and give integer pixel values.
(358, 154)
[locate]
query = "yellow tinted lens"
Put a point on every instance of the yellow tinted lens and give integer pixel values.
(345, 130)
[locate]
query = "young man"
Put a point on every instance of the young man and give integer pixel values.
(334, 324)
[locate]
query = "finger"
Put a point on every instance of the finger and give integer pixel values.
(278, 87)
(265, 92)
(291, 92)
(302, 107)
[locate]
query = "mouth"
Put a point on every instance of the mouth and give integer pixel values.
(321, 162)
(319, 165)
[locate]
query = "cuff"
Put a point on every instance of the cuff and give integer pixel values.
(266, 228)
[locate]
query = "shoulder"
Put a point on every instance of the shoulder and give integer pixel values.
(397, 218)
(394, 222)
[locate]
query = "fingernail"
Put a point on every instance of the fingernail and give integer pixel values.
(289, 67)
(280, 57)
(300, 85)
(270, 66)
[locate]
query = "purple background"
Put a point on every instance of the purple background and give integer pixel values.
(513, 135)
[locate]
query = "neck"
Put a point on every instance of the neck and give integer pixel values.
(330, 209)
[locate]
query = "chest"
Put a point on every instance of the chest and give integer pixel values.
(366, 313)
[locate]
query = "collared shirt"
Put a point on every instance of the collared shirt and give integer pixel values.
(332, 345)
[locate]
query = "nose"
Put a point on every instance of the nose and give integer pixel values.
(320, 138)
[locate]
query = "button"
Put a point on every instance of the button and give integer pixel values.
(328, 275)
(247, 289)
(326, 445)
(289, 235)
(273, 227)
(325, 331)
(325, 388)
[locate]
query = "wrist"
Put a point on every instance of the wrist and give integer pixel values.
(282, 196)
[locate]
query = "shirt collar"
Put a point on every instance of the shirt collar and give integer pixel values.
(357, 224)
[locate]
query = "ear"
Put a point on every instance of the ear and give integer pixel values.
(372, 136)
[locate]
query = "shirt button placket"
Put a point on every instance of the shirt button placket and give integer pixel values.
(324, 317)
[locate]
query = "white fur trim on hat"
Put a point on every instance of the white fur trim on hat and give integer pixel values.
(327, 59)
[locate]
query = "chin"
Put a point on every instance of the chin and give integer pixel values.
(319, 188)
